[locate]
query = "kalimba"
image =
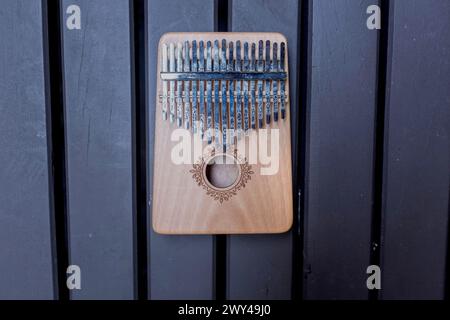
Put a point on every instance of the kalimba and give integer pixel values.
(222, 159)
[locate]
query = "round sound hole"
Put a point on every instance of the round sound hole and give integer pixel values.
(222, 171)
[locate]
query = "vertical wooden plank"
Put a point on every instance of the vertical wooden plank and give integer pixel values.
(260, 267)
(417, 154)
(340, 151)
(25, 239)
(180, 267)
(99, 150)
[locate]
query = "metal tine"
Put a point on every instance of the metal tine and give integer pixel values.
(283, 82)
(223, 68)
(194, 68)
(209, 91)
(230, 59)
(252, 87)
(201, 68)
(260, 68)
(216, 68)
(172, 83)
(230, 68)
(245, 67)
(187, 89)
(268, 67)
(179, 85)
(274, 68)
(237, 68)
(164, 83)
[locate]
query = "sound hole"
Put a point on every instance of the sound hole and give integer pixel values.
(222, 171)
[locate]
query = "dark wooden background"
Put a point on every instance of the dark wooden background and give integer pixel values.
(370, 124)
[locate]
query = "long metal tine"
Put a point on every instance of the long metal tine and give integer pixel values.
(274, 67)
(194, 68)
(246, 67)
(252, 87)
(179, 85)
(187, 89)
(216, 68)
(268, 67)
(201, 68)
(223, 68)
(209, 92)
(230, 67)
(172, 83)
(260, 68)
(237, 68)
(164, 83)
(283, 82)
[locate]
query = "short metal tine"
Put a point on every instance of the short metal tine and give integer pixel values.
(230, 68)
(260, 68)
(179, 85)
(164, 83)
(209, 92)
(237, 68)
(274, 67)
(252, 87)
(194, 68)
(268, 67)
(283, 82)
(245, 67)
(172, 83)
(187, 87)
(216, 67)
(201, 68)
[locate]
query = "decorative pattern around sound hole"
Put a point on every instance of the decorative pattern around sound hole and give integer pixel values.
(220, 195)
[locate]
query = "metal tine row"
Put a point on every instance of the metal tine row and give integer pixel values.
(237, 104)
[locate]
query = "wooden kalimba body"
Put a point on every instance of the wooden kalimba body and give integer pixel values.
(218, 96)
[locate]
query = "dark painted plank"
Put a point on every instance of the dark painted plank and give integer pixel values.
(99, 150)
(25, 239)
(417, 152)
(340, 151)
(180, 267)
(260, 267)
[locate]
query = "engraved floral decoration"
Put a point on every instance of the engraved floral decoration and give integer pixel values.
(226, 194)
